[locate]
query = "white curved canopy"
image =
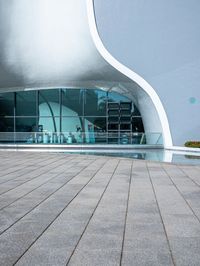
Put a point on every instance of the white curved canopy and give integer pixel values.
(55, 43)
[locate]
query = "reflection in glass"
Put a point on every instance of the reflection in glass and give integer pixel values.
(95, 129)
(98, 124)
(116, 97)
(72, 129)
(95, 103)
(26, 124)
(72, 102)
(26, 103)
(51, 124)
(49, 104)
(136, 112)
(70, 116)
(137, 125)
(7, 104)
(6, 124)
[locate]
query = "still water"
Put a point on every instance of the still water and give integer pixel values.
(158, 155)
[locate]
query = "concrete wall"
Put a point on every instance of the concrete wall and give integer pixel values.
(159, 40)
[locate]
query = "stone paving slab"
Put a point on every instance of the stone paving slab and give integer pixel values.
(67, 209)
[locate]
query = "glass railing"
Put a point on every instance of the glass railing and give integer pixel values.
(124, 138)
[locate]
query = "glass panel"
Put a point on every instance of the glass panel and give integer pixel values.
(113, 137)
(49, 124)
(138, 138)
(94, 127)
(125, 119)
(125, 105)
(49, 103)
(6, 124)
(7, 104)
(72, 102)
(113, 113)
(125, 112)
(26, 124)
(7, 137)
(113, 119)
(113, 106)
(136, 112)
(116, 97)
(113, 126)
(137, 124)
(26, 103)
(125, 127)
(96, 123)
(122, 118)
(125, 137)
(95, 103)
(72, 129)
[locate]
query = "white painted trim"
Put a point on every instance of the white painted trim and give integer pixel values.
(184, 149)
(130, 74)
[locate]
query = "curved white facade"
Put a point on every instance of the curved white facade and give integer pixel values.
(160, 41)
(55, 43)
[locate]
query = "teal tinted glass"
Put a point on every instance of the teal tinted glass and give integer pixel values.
(6, 124)
(49, 103)
(26, 103)
(116, 97)
(72, 102)
(49, 124)
(26, 124)
(95, 103)
(7, 104)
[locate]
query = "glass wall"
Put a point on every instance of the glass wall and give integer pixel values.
(7, 104)
(26, 103)
(69, 116)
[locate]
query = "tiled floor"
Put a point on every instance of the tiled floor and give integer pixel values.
(61, 209)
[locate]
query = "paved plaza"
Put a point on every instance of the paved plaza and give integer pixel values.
(69, 209)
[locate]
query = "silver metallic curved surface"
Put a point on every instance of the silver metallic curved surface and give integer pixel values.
(55, 43)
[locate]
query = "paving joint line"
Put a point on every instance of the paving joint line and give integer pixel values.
(126, 215)
(34, 188)
(162, 221)
(21, 162)
(62, 209)
(87, 224)
(32, 178)
(42, 201)
(186, 175)
(12, 179)
(187, 203)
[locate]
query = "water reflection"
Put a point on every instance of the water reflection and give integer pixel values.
(159, 155)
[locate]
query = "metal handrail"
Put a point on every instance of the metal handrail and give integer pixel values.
(110, 137)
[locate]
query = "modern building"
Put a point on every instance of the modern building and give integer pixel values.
(60, 85)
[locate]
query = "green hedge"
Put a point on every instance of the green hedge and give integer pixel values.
(192, 144)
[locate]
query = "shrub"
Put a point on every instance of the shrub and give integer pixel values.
(192, 144)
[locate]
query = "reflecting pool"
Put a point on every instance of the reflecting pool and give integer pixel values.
(158, 155)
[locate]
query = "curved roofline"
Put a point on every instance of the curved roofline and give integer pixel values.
(130, 74)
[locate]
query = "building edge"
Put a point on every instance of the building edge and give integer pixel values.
(167, 139)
